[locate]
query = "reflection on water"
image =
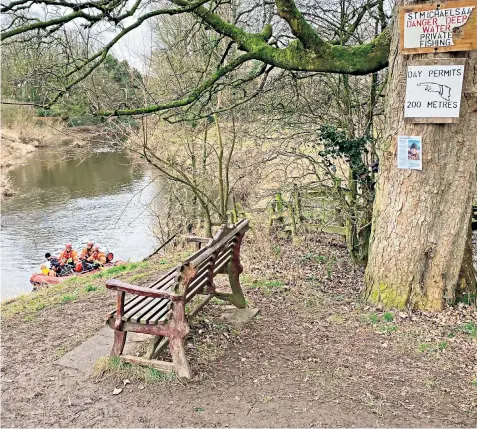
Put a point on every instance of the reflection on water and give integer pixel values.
(100, 197)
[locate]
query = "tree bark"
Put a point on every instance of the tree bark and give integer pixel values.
(418, 245)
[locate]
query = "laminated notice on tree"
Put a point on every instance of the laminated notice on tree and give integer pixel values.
(441, 27)
(433, 91)
(409, 153)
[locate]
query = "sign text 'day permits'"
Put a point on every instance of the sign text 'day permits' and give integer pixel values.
(433, 91)
(438, 27)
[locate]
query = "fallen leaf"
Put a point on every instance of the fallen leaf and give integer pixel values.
(117, 391)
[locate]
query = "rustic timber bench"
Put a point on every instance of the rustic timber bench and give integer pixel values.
(160, 308)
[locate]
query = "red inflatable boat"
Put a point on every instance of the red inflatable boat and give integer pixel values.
(40, 281)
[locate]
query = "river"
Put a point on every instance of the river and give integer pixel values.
(64, 195)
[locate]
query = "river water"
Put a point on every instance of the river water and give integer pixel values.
(102, 196)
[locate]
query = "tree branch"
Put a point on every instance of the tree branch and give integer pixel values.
(194, 96)
(362, 59)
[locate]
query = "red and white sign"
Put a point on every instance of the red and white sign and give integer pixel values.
(434, 28)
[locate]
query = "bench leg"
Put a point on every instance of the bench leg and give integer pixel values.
(119, 341)
(179, 358)
(236, 298)
(179, 328)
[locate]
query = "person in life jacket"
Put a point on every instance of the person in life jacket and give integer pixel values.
(45, 270)
(68, 257)
(97, 259)
(55, 268)
(87, 251)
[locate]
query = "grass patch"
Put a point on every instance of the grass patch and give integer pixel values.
(90, 288)
(139, 276)
(152, 375)
(120, 269)
(387, 329)
(116, 370)
(69, 297)
(374, 319)
(469, 328)
(217, 301)
(266, 286)
(432, 348)
(311, 257)
(28, 305)
(383, 324)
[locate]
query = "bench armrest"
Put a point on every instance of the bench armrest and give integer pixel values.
(120, 286)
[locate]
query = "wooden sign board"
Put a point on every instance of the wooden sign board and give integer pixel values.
(434, 90)
(438, 27)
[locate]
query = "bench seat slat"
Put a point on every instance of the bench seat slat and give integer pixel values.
(153, 307)
(156, 315)
(158, 284)
(142, 307)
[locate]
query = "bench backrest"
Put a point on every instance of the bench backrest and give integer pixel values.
(198, 270)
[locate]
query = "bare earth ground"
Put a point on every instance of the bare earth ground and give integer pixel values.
(315, 356)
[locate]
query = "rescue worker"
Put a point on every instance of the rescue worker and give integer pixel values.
(87, 251)
(97, 259)
(68, 258)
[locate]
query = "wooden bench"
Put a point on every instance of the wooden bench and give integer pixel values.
(160, 308)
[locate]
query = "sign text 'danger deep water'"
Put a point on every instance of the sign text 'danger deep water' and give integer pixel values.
(448, 26)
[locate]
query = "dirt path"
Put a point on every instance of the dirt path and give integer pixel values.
(315, 357)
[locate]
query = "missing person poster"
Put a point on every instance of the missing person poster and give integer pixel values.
(409, 154)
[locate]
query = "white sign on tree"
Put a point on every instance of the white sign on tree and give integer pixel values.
(433, 91)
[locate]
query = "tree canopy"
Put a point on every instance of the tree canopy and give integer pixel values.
(302, 38)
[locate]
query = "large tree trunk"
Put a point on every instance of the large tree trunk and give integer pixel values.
(418, 252)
